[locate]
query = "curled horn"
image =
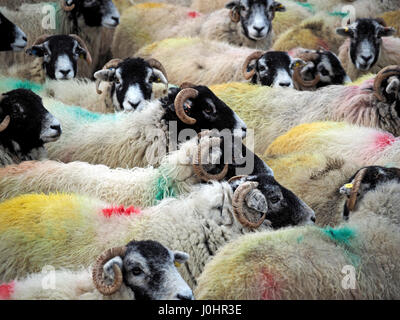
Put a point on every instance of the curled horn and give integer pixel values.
(385, 73)
(234, 15)
(83, 45)
(351, 203)
(6, 121)
(238, 203)
(97, 273)
(180, 99)
(67, 7)
(110, 64)
(187, 85)
(155, 64)
(302, 84)
(199, 169)
(254, 56)
(40, 39)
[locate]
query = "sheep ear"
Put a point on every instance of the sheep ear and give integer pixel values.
(278, 7)
(345, 32)
(37, 51)
(108, 267)
(180, 257)
(386, 32)
(393, 86)
(105, 75)
(232, 4)
(257, 201)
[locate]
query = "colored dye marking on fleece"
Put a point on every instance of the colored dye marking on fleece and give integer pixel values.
(121, 211)
(307, 6)
(164, 188)
(193, 14)
(6, 290)
(270, 285)
(338, 14)
(12, 84)
(384, 140)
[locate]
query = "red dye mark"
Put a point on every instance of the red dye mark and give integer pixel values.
(6, 290)
(193, 14)
(322, 43)
(120, 211)
(383, 140)
(270, 285)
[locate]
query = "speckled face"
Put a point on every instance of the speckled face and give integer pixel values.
(365, 41)
(13, 38)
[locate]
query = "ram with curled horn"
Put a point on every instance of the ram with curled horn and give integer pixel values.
(6, 121)
(391, 74)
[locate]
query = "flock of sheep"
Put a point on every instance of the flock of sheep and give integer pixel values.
(127, 129)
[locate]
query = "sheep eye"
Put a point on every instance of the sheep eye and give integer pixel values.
(137, 271)
(324, 72)
(116, 80)
(208, 110)
(275, 199)
(262, 68)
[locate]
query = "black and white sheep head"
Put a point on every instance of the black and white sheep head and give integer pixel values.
(255, 16)
(365, 41)
(197, 108)
(365, 180)
(325, 65)
(95, 13)
(271, 68)
(387, 90)
(13, 38)
(60, 55)
(25, 124)
(131, 81)
(279, 206)
(147, 268)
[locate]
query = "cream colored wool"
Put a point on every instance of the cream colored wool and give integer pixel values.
(273, 111)
(29, 18)
(78, 232)
(389, 55)
(312, 33)
(197, 60)
(392, 19)
(138, 187)
(307, 262)
(144, 24)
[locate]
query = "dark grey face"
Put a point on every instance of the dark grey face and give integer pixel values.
(12, 37)
(284, 207)
(256, 16)
(149, 270)
(374, 176)
(132, 83)
(60, 55)
(31, 125)
(274, 69)
(365, 41)
(328, 67)
(96, 13)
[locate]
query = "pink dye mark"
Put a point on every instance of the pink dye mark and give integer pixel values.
(322, 43)
(193, 14)
(6, 290)
(384, 140)
(270, 285)
(121, 211)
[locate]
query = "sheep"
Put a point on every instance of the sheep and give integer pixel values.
(14, 39)
(369, 47)
(143, 137)
(138, 270)
(272, 112)
(197, 223)
(243, 23)
(392, 18)
(312, 263)
(143, 187)
(59, 58)
(68, 17)
(209, 62)
(25, 126)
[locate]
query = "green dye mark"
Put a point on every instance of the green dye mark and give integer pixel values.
(307, 6)
(86, 114)
(339, 14)
(300, 239)
(13, 84)
(164, 188)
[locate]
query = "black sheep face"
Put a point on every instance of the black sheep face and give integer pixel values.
(209, 111)
(365, 41)
(275, 69)
(96, 13)
(60, 55)
(31, 125)
(284, 207)
(149, 270)
(13, 38)
(256, 16)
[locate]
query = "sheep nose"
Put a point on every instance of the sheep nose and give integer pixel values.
(313, 219)
(258, 29)
(65, 72)
(56, 128)
(185, 297)
(366, 58)
(134, 105)
(116, 19)
(25, 39)
(284, 84)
